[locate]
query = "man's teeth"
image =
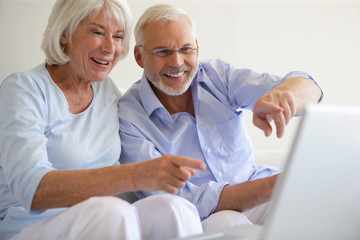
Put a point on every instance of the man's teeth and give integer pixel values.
(99, 61)
(175, 75)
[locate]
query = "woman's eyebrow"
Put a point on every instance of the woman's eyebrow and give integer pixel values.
(103, 27)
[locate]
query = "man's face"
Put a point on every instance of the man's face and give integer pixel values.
(172, 74)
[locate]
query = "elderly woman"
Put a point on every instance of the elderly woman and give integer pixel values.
(59, 142)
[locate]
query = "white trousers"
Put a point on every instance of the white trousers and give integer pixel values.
(157, 217)
(229, 218)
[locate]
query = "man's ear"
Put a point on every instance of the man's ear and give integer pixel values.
(197, 46)
(138, 57)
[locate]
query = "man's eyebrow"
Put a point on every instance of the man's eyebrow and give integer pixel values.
(161, 47)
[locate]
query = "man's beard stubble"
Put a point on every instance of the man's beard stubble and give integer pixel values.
(158, 83)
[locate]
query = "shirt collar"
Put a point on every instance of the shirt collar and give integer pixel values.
(198, 79)
(148, 97)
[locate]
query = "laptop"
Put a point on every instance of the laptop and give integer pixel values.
(318, 194)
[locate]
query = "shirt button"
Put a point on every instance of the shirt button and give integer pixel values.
(219, 174)
(208, 150)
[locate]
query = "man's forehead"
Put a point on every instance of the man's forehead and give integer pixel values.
(179, 31)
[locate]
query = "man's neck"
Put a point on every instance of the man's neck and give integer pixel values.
(175, 104)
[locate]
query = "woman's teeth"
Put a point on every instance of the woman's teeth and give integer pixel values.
(100, 62)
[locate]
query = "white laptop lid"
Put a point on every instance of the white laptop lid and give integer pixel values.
(318, 194)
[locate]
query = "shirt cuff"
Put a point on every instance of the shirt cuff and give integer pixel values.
(205, 197)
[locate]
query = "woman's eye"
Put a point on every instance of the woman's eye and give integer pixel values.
(119, 37)
(97, 32)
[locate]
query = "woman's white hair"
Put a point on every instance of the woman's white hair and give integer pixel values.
(66, 16)
(160, 14)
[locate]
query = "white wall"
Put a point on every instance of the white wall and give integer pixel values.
(320, 37)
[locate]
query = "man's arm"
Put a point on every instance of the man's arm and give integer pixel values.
(279, 104)
(283, 102)
(246, 195)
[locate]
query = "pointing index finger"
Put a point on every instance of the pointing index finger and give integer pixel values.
(188, 162)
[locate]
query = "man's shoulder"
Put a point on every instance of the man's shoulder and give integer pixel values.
(131, 96)
(213, 63)
(130, 102)
(214, 69)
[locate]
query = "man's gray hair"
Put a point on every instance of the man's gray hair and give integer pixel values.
(66, 16)
(160, 14)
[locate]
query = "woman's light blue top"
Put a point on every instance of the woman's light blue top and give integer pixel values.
(38, 134)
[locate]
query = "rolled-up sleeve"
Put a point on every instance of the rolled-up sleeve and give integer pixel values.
(205, 197)
(23, 156)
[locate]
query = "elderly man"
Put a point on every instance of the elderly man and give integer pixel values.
(184, 107)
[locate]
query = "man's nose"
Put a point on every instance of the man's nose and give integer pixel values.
(176, 59)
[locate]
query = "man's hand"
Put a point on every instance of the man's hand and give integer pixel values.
(283, 102)
(275, 105)
(166, 173)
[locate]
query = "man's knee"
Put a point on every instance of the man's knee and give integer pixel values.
(223, 219)
(171, 203)
(257, 215)
(176, 217)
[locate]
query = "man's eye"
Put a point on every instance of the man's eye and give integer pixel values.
(163, 52)
(186, 50)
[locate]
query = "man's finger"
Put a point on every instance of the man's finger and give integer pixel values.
(269, 118)
(263, 124)
(280, 123)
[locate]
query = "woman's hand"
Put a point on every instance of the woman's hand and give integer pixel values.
(166, 173)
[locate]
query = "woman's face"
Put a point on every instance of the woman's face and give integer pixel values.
(96, 46)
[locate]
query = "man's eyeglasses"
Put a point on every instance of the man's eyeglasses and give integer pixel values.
(167, 52)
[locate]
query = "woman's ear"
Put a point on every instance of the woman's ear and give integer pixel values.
(138, 57)
(64, 39)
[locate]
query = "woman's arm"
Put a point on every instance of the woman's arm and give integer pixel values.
(64, 188)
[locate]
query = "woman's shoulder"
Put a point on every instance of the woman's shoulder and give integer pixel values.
(30, 87)
(35, 76)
